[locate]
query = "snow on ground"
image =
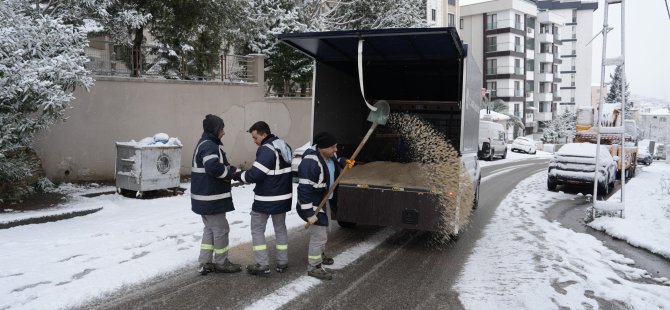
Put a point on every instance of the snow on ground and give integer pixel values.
(524, 261)
(64, 263)
(647, 217)
(513, 156)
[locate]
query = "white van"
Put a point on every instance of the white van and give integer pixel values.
(492, 140)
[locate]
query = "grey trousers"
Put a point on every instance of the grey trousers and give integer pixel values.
(258, 224)
(318, 236)
(214, 239)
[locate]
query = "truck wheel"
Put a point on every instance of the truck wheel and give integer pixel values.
(346, 224)
(504, 154)
(551, 185)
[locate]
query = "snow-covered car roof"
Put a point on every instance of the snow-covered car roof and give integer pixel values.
(524, 138)
(584, 150)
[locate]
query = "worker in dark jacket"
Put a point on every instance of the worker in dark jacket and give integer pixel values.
(273, 193)
(211, 197)
(317, 171)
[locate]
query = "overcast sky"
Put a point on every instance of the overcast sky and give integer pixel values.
(647, 45)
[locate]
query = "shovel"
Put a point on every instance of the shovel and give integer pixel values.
(379, 116)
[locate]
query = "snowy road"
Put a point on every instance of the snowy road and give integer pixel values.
(141, 254)
(394, 265)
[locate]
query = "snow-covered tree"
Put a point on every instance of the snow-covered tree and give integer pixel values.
(561, 127)
(375, 14)
(41, 62)
(614, 94)
(513, 121)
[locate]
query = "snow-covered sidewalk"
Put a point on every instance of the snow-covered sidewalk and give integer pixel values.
(64, 263)
(523, 261)
(647, 217)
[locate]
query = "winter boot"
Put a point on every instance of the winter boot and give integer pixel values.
(258, 270)
(281, 268)
(320, 273)
(326, 260)
(205, 268)
(227, 267)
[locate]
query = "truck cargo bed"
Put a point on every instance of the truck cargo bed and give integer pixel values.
(388, 194)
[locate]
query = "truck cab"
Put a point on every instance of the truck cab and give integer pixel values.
(423, 72)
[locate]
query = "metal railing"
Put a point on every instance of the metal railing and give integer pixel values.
(110, 59)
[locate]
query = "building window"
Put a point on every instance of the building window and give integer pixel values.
(492, 66)
(433, 14)
(492, 21)
(517, 66)
(574, 16)
(452, 21)
(517, 44)
(545, 48)
(517, 110)
(530, 44)
(460, 23)
(492, 87)
(530, 65)
(530, 86)
(517, 89)
(544, 28)
(517, 21)
(492, 45)
(530, 23)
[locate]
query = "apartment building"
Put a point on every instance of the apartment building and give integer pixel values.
(519, 48)
(576, 55)
(441, 13)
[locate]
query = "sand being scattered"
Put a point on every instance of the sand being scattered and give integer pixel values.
(443, 171)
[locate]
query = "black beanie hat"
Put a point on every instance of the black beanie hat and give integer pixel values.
(212, 124)
(324, 140)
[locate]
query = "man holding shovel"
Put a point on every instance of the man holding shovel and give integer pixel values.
(317, 171)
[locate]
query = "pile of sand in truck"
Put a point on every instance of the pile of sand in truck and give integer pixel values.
(435, 167)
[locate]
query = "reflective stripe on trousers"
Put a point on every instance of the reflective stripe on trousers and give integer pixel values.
(258, 224)
(214, 239)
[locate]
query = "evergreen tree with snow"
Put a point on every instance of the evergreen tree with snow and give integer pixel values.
(561, 127)
(375, 14)
(41, 63)
(614, 94)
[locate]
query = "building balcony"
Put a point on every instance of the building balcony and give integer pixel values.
(542, 116)
(544, 57)
(545, 77)
(545, 96)
(545, 37)
(530, 75)
(530, 120)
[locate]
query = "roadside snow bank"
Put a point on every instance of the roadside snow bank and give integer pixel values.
(647, 219)
(524, 261)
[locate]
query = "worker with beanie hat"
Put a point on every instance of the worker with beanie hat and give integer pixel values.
(318, 169)
(211, 197)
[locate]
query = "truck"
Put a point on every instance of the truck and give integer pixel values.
(425, 72)
(611, 117)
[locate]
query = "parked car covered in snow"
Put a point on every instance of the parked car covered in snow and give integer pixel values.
(575, 163)
(524, 144)
(644, 157)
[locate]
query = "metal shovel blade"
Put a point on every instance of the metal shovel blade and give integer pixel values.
(381, 116)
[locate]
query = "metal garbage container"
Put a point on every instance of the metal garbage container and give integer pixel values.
(141, 168)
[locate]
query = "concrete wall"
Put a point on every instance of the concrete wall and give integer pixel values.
(124, 109)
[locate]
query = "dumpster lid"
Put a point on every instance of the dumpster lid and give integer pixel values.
(397, 44)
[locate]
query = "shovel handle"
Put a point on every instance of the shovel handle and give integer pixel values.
(346, 168)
